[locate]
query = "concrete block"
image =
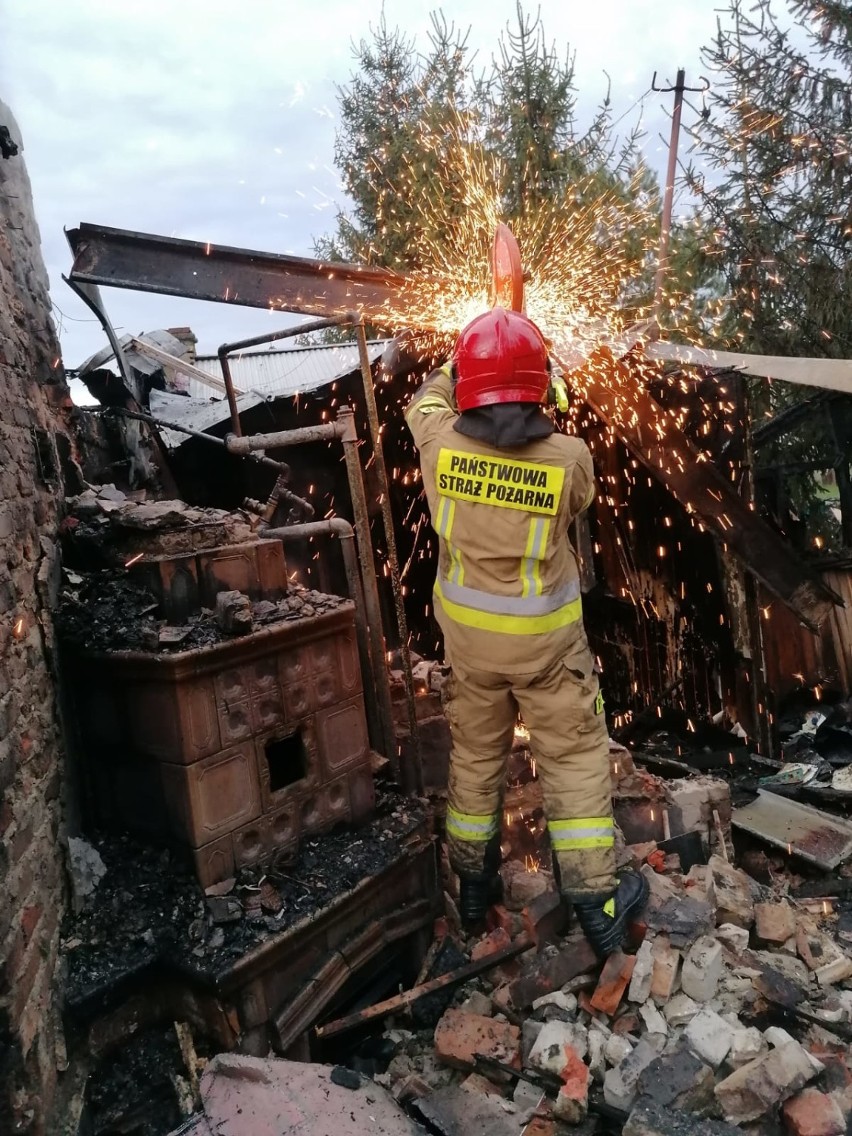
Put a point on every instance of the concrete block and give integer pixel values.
(733, 936)
(747, 1045)
(478, 1003)
(777, 1037)
(653, 1019)
(548, 1053)
(643, 969)
(666, 973)
(812, 1113)
(759, 1087)
(565, 1002)
(680, 1009)
(617, 1049)
(529, 1035)
(734, 902)
(775, 923)
(702, 969)
(597, 1058)
(709, 1037)
(699, 884)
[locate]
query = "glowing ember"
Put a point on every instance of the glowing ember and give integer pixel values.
(133, 560)
(19, 627)
(532, 863)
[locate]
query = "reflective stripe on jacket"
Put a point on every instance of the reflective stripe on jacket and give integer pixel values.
(507, 591)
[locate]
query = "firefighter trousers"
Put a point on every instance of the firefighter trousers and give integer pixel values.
(562, 708)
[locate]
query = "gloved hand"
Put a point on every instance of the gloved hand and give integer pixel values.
(557, 391)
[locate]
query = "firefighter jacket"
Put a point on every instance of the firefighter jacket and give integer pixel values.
(507, 591)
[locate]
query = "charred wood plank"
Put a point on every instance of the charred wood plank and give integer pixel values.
(407, 997)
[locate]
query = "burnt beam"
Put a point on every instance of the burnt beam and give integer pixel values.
(651, 436)
(120, 258)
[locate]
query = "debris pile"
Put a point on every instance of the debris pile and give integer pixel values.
(736, 1009)
(149, 911)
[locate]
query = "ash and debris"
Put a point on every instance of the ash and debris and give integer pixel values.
(133, 1088)
(149, 910)
(103, 611)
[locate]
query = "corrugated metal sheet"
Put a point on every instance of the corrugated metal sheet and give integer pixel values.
(288, 371)
(261, 376)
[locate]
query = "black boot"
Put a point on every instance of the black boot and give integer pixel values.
(475, 897)
(604, 921)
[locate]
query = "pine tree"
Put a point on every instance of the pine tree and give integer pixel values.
(433, 154)
(777, 204)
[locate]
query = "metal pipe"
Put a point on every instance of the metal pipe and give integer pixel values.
(287, 333)
(342, 529)
(280, 467)
(415, 781)
(361, 515)
(256, 341)
(324, 432)
(668, 199)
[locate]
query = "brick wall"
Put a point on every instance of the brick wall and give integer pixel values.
(33, 411)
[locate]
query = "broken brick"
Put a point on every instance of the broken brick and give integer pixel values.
(626, 1023)
(812, 1113)
(476, 1083)
(775, 923)
(497, 940)
(499, 917)
(760, 1086)
(459, 1036)
(664, 976)
(734, 903)
(615, 976)
(572, 1101)
(540, 975)
(545, 918)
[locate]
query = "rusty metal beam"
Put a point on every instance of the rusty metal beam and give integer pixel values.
(120, 258)
(652, 437)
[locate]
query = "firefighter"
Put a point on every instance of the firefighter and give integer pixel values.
(503, 485)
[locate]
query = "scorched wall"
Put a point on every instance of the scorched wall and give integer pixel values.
(33, 407)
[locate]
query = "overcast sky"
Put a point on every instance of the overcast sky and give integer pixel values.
(215, 120)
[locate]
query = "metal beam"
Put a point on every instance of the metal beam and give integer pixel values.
(651, 436)
(119, 258)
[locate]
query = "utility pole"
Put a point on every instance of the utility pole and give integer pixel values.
(668, 200)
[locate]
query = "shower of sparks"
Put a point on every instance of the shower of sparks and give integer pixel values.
(582, 250)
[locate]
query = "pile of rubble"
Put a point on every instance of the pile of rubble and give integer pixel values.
(683, 1036)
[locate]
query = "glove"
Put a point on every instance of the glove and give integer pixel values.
(557, 391)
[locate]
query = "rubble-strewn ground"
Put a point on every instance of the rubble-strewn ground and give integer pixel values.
(737, 1007)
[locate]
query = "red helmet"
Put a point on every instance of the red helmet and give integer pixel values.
(500, 356)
